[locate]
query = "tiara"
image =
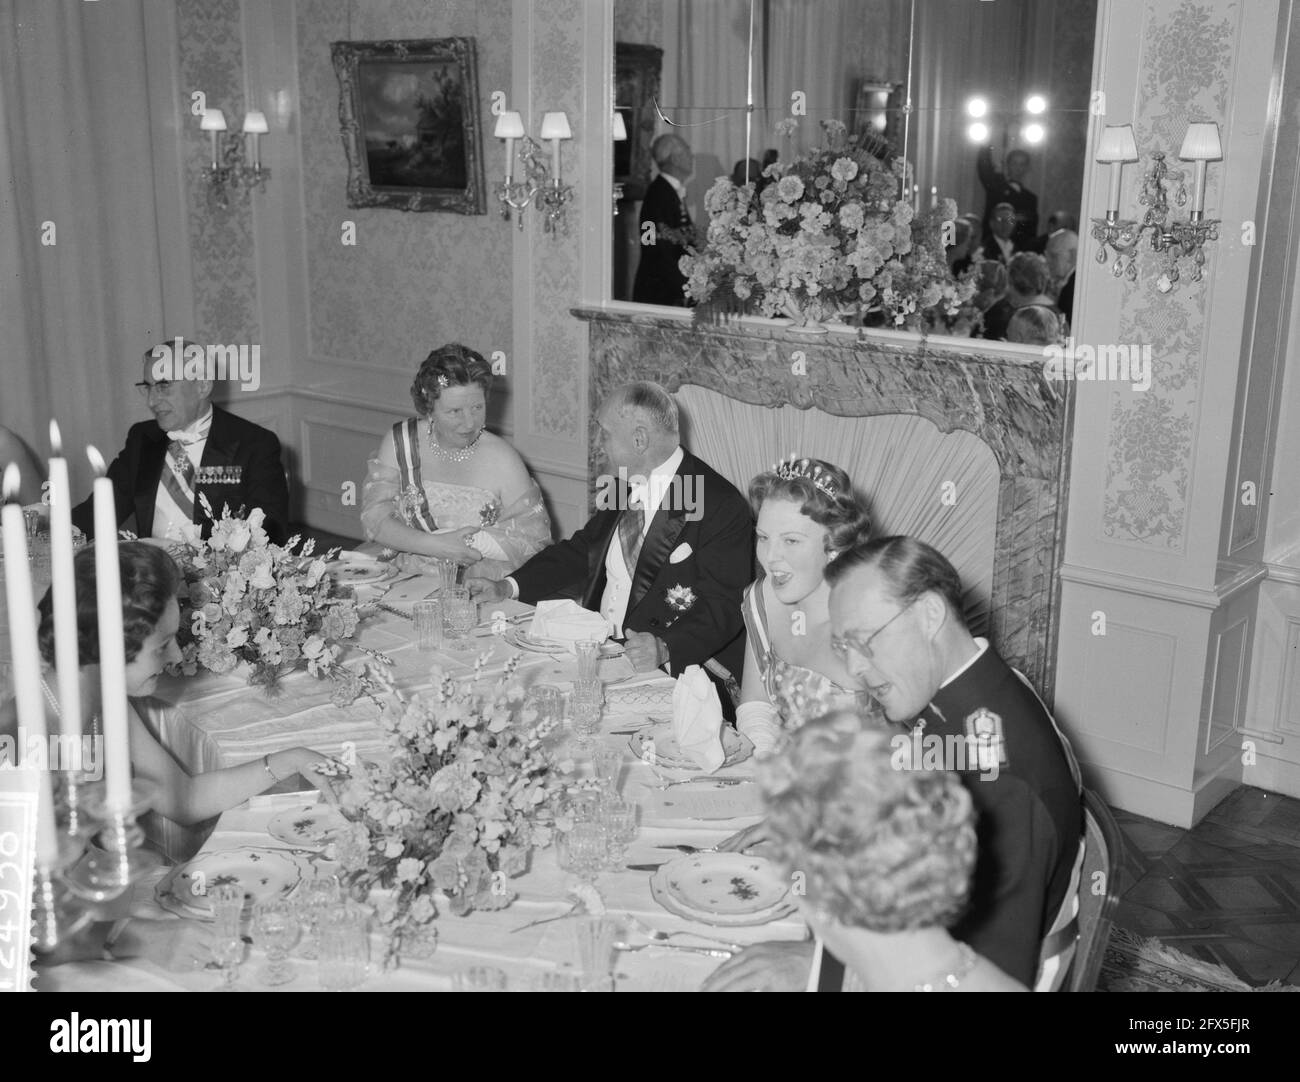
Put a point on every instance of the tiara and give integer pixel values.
(804, 468)
(443, 381)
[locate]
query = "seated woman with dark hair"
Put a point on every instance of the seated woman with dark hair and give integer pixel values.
(886, 852)
(150, 618)
(442, 486)
(807, 513)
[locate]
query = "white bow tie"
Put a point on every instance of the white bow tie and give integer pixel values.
(185, 438)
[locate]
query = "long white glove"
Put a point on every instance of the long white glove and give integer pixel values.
(758, 721)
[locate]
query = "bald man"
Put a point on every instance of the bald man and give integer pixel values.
(665, 222)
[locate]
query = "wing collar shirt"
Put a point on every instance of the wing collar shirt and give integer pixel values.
(193, 439)
(649, 493)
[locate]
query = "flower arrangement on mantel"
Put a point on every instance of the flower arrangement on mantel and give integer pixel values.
(828, 238)
(470, 791)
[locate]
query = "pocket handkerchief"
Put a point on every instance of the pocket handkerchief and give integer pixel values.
(680, 553)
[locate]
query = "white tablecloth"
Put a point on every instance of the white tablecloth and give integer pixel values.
(219, 722)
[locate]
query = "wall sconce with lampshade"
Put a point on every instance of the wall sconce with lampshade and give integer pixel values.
(1175, 239)
(235, 160)
(620, 136)
(542, 186)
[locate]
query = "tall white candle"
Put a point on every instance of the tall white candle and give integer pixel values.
(555, 161)
(64, 584)
(27, 665)
(1112, 196)
(1198, 198)
(510, 158)
(112, 646)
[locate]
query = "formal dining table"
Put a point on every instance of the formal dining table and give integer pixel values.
(219, 721)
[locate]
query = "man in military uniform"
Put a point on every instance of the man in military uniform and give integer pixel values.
(896, 619)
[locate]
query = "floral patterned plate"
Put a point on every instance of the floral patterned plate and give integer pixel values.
(722, 889)
(310, 826)
(659, 739)
(521, 640)
(355, 573)
(262, 873)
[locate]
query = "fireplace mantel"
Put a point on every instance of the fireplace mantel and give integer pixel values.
(998, 394)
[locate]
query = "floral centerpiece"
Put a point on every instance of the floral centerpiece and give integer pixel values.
(827, 237)
(247, 600)
(469, 792)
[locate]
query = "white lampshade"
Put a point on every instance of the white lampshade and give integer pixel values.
(620, 128)
(255, 123)
(1117, 144)
(556, 126)
(509, 126)
(213, 120)
(1201, 144)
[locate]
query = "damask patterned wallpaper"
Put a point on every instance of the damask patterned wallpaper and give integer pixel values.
(221, 242)
(413, 280)
(1187, 60)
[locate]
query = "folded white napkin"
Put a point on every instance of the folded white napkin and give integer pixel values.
(568, 622)
(697, 719)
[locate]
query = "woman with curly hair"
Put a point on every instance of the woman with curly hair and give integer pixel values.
(886, 852)
(441, 486)
(150, 580)
(807, 514)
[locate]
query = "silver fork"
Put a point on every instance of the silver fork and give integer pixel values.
(660, 936)
(704, 780)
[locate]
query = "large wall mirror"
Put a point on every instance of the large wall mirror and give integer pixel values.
(999, 94)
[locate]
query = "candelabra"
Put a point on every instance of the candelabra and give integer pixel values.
(541, 186)
(1175, 239)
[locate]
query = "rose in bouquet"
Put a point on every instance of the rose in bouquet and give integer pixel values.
(469, 792)
(827, 237)
(245, 599)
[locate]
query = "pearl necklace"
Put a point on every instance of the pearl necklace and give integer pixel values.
(459, 454)
(54, 705)
(950, 980)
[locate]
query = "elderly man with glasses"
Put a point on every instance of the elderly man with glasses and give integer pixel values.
(896, 620)
(189, 450)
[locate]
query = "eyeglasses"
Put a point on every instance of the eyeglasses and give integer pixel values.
(842, 646)
(162, 386)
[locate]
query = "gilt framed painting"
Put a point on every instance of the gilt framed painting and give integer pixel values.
(409, 112)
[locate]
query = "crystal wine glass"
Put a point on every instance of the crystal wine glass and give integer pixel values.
(275, 927)
(588, 850)
(619, 818)
(585, 706)
(315, 896)
(227, 902)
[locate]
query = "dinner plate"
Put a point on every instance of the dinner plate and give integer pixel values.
(520, 639)
(735, 746)
(362, 574)
(310, 826)
(723, 889)
(260, 873)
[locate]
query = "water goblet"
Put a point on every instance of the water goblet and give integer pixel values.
(548, 702)
(275, 927)
(585, 706)
(480, 979)
(428, 622)
(344, 947)
(313, 898)
(588, 850)
(227, 902)
(596, 937)
(459, 615)
(619, 818)
(607, 766)
(588, 652)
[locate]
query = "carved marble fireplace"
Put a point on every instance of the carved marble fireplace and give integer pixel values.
(1002, 399)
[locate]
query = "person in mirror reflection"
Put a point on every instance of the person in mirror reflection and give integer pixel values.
(958, 252)
(191, 450)
(14, 449)
(665, 225)
(441, 486)
(150, 581)
(998, 243)
(807, 514)
(1027, 280)
(1036, 325)
(886, 850)
(1008, 188)
(897, 621)
(1062, 253)
(667, 554)
(1057, 220)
